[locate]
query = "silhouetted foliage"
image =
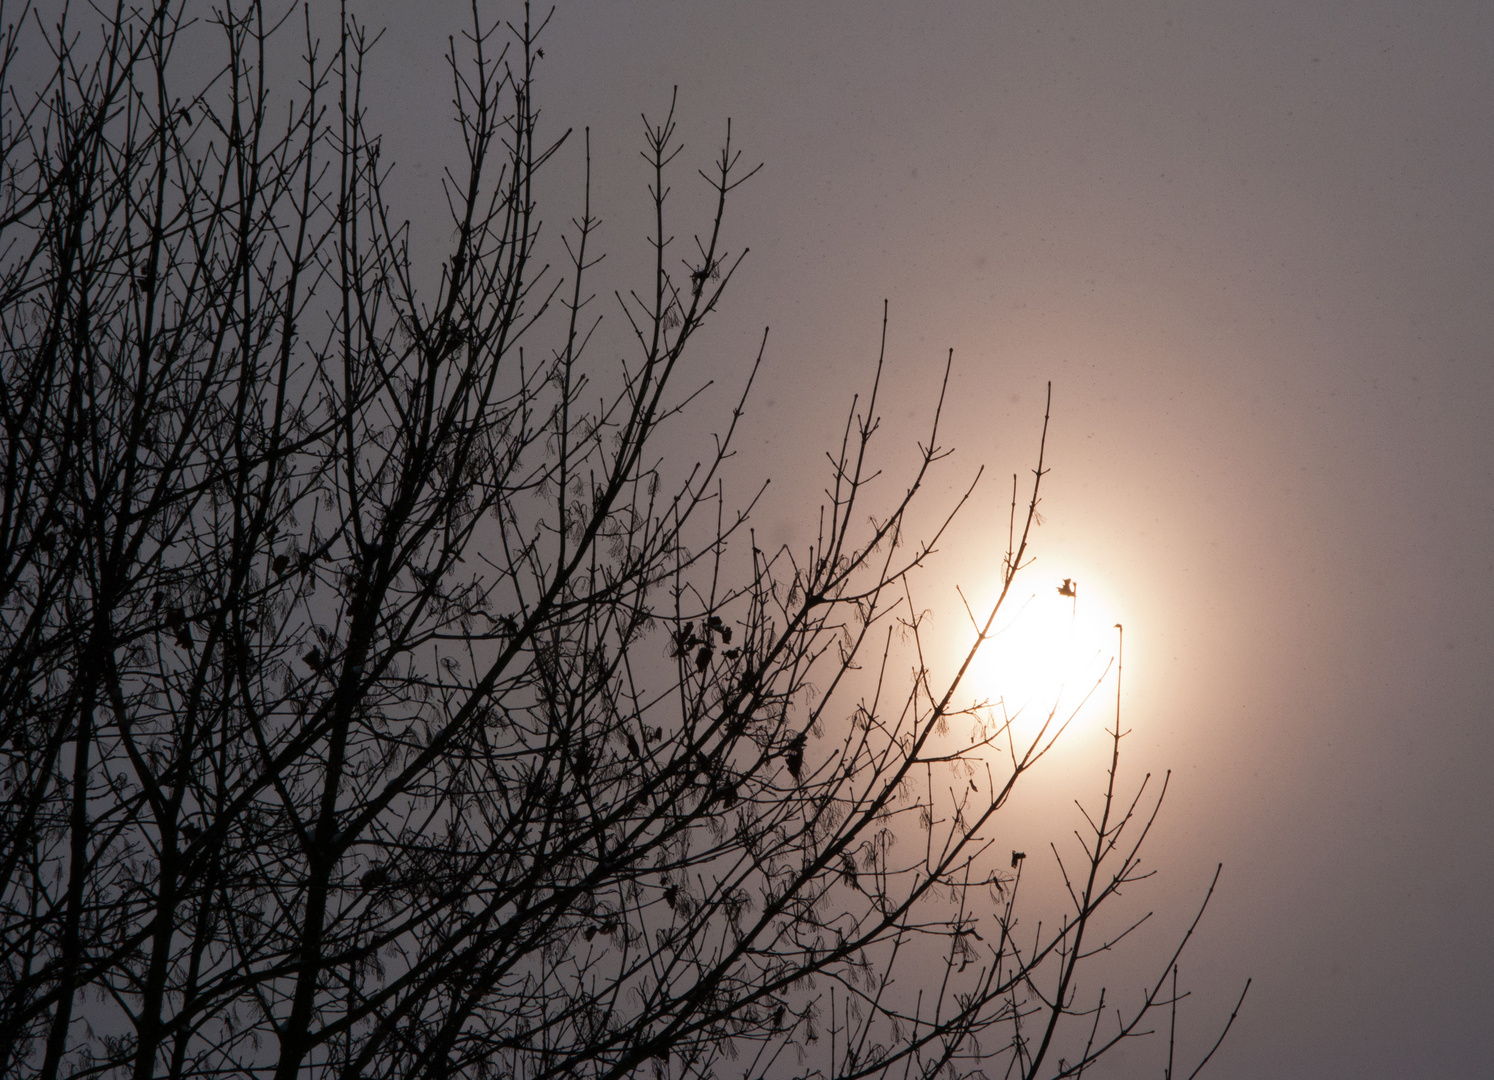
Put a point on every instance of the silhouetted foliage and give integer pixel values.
(377, 700)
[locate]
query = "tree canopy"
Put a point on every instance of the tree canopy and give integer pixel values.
(378, 697)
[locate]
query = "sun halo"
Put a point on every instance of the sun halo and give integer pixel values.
(1044, 656)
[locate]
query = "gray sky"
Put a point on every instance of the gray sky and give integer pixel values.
(1252, 246)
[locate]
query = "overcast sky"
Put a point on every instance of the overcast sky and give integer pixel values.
(1252, 247)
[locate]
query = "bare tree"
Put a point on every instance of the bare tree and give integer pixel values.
(376, 700)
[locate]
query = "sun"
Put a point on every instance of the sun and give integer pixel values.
(1047, 652)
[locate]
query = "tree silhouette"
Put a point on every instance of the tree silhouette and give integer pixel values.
(375, 700)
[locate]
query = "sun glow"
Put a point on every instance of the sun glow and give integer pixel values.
(1046, 653)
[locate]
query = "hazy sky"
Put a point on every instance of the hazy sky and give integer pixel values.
(1252, 246)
